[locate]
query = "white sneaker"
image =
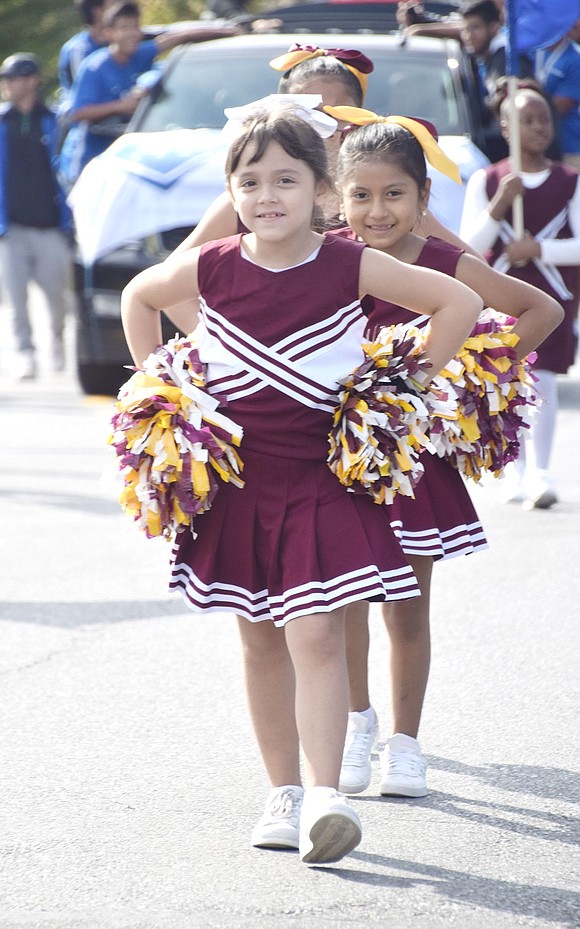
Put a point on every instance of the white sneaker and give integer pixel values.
(403, 768)
(542, 494)
(361, 735)
(26, 365)
(329, 827)
(279, 826)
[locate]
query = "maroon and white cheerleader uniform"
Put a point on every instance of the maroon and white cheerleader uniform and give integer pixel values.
(440, 521)
(545, 217)
(293, 541)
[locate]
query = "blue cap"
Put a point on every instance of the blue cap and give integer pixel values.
(22, 64)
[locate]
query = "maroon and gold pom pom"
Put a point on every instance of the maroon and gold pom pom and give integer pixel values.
(171, 442)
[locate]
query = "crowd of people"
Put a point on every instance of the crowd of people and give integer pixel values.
(281, 309)
(43, 151)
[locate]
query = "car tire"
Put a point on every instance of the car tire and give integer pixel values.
(103, 379)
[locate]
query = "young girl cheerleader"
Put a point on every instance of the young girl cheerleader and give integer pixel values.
(340, 77)
(280, 322)
(383, 185)
(548, 257)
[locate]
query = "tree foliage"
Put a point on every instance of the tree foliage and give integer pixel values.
(41, 26)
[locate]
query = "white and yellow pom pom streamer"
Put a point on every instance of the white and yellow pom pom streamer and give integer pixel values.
(381, 424)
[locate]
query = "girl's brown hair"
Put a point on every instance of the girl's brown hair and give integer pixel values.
(382, 142)
(294, 135)
(297, 78)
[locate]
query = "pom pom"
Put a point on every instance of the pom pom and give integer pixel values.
(380, 425)
(170, 441)
(496, 400)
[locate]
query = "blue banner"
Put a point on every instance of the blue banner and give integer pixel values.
(534, 24)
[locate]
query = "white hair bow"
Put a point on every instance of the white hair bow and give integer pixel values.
(301, 105)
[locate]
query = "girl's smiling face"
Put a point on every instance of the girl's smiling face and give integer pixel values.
(382, 203)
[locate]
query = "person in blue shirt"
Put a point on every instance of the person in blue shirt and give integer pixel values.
(558, 70)
(106, 89)
(80, 45)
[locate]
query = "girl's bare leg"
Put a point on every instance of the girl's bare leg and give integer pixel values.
(407, 623)
(270, 691)
(317, 648)
(357, 656)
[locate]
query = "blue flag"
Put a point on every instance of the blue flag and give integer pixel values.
(534, 24)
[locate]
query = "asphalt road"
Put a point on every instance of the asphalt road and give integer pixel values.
(129, 781)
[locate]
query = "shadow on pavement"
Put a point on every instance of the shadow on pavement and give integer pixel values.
(552, 783)
(551, 903)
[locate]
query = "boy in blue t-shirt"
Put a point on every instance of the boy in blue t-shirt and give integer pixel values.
(105, 85)
(80, 45)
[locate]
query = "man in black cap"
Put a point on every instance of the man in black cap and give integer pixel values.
(35, 222)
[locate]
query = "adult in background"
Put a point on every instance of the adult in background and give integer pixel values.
(480, 29)
(35, 222)
(106, 86)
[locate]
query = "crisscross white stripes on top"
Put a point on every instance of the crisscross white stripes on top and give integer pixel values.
(549, 271)
(288, 365)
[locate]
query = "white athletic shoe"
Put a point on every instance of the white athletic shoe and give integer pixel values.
(329, 827)
(403, 768)
(542, 494)
(279, 826)
(361, 735)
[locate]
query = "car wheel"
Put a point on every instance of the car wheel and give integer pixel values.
(103, 379)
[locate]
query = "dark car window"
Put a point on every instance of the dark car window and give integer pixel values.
(198, 86)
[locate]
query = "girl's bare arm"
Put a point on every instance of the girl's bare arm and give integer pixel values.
(537, 313)
(162, 286)
(218, 221)
(454, 308)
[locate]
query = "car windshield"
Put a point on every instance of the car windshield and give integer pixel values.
(198, 87)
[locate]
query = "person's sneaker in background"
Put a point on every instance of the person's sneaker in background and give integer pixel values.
(541, 494)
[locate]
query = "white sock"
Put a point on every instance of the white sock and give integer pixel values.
(369, 715)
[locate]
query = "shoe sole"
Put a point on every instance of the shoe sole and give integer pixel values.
(333, 836)
(275, 841)
(403, 791)
(275, 844)
(358, 789)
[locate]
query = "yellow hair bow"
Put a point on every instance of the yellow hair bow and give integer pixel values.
(433, 153)
(357, 63)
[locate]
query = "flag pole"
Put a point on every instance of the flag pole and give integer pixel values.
(515, 147)
(515, 156)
